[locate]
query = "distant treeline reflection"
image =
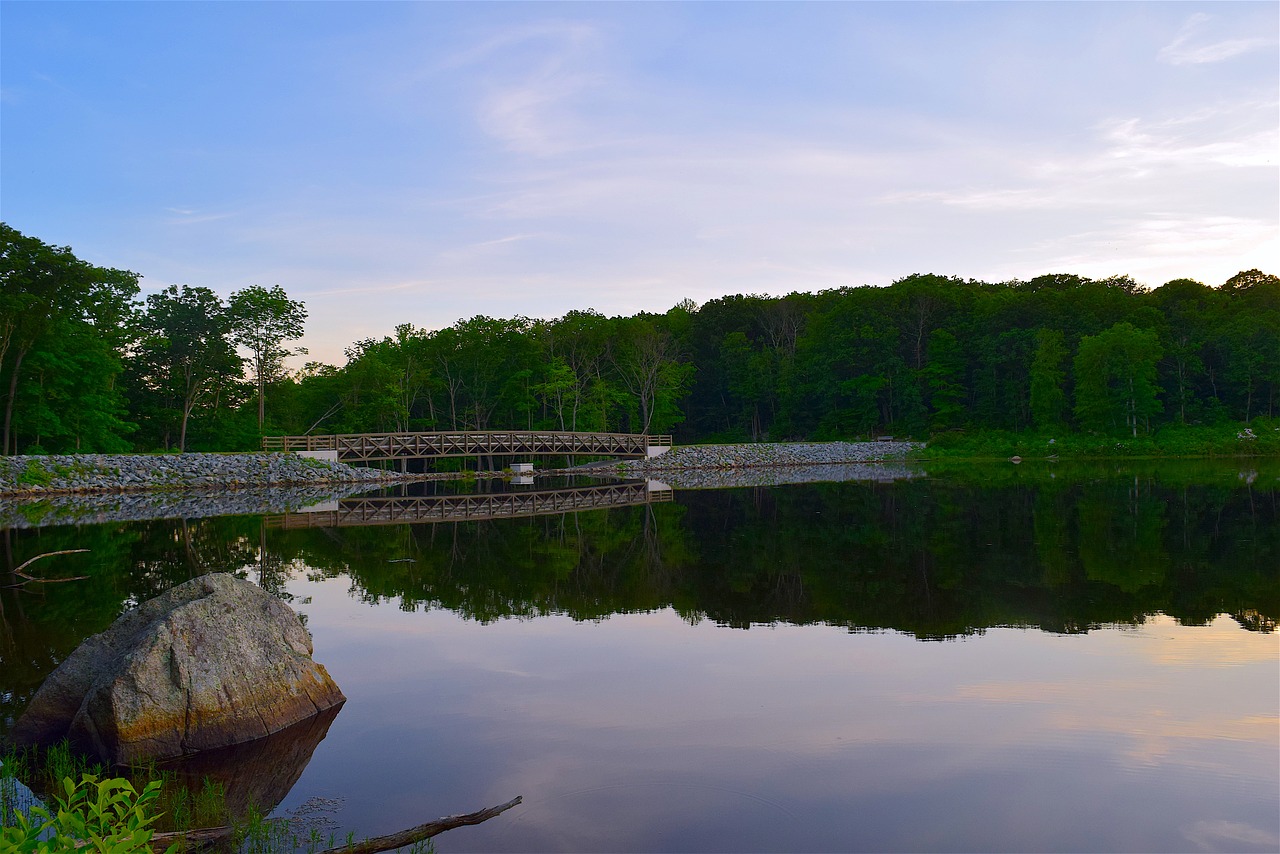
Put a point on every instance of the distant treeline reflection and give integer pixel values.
(1059, 550)
(935, 559)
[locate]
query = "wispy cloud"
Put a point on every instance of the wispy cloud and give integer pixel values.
(1190, 47)
(191, 216)
(531, 77)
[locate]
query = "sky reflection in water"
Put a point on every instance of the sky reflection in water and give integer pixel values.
(584, 661)
(642, 732)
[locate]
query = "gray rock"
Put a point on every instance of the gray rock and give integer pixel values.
(761, 455)
(212, 662)
(79, 473)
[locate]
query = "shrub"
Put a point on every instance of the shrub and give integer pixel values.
(108, 816)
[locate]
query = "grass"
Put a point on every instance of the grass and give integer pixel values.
(1171, 441)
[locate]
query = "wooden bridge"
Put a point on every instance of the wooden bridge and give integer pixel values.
(370, 447)
(390, 510)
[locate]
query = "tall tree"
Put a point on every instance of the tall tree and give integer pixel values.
(185, 353)
(647, 359)
(1115, 374)
(1048, 399)
(48, 299)
(261, 321)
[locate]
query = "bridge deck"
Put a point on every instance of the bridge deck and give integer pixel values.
(391, 510)
(368, 447)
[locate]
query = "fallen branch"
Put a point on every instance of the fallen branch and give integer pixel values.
(27, 579)
(198, 838)
(208, 835)
(422, 831)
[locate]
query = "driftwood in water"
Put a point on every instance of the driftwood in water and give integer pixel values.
(422, 831)
(31, 579)
(208, 835)
(192, 838)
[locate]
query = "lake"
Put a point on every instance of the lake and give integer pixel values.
(966, 658)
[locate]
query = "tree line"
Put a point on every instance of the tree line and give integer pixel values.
(85, 365)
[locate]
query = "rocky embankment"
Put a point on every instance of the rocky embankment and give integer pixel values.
(723, 466)
(107, 473)
(764, 455)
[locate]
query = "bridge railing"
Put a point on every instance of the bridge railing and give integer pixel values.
(466, 443)
(299, 443)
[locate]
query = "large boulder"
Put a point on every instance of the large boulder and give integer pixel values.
(212, 662)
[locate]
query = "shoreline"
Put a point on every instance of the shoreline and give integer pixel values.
(26, 477)
(119, 474)
(126, 474)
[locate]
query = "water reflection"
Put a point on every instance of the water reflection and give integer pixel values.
(1136, 716)
(1058, 549)
(259, 773)
(406, 508)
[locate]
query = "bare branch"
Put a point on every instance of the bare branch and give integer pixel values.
(18, 572)
(422, 831)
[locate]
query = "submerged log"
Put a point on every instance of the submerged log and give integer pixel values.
(209, 835)
(422, 831)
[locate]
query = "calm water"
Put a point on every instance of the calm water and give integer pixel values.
(1004, 658)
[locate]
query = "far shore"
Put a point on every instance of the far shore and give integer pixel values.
(104, 474)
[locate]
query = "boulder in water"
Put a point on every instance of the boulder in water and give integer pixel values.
(212, 662)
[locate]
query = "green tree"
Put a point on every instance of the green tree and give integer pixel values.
(1048, 399)
(1115, 374)
(647, 360)
(185, 354)
(944, 379)
(261, 321)
(56, 310)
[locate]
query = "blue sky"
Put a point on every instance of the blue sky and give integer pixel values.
(421, 162)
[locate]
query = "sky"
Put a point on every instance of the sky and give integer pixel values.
(420, 163)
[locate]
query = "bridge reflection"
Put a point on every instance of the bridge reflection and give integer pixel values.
(399, 510)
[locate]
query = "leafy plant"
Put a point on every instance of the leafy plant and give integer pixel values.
(108, 816)
(35, 475)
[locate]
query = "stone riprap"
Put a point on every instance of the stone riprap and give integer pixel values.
(762, 455)
(39, 511)
(779, 475)
(88, 473)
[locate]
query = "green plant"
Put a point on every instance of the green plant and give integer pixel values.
(35, 475)
(108, 816)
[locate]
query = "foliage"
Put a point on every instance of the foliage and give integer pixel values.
(1171, 440)
(261, 320)
(1115, 379)
(1060, 353)
(106, 815)
(184, 364)
(64, 327)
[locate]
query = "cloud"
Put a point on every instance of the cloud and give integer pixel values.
(531, 79)
(1187, 48)
(188, 216)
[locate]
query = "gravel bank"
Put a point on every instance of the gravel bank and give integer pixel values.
(98, 473)
(763, 455)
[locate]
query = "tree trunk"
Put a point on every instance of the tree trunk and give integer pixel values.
(8, 406)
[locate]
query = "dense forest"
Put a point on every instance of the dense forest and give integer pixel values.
(85, 365)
